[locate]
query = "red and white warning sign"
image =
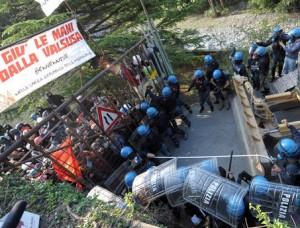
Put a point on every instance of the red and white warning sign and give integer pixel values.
(108, 117)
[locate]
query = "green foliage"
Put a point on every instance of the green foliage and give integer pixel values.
(281, 5)
(118, 42)
(177, 44)
(26, 28)
(50, 200)
(265, 220)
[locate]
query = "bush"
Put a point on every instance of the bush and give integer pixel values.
(265, 220)
(59, 204)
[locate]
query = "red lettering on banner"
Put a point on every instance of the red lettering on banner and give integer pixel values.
(62, 31)
(13, 53)
(17, 67)
(62, 44)
(41, 41)
(4, 75)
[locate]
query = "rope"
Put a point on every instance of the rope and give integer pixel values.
(218, 156)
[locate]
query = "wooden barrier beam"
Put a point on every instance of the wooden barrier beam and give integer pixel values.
(284, 129)
(279, 96)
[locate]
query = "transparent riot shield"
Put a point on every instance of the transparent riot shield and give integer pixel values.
(280, 201)
(219, 197)
(174, 182)
(149, 185)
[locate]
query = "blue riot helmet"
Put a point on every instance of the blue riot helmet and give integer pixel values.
(166, 91)
(238, 56)
(208, 59)
(260, 51)
(287, 148)
(198, 74)
(143, 130)
(144, 106)
(34, 116)
(294, 33)
(261, 183)
(126, 151)
(235, 207)
(259, 178)
(217, 74)
(172, 79)
(129, 178)
(277, 29)
(152, 112)
(252, 48)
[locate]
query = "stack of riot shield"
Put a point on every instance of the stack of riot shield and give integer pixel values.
(201, 185)
(215, 195)
(175, 181)
(280, 201)
(166, 179)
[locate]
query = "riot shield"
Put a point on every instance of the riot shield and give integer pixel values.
(174, 182)
(280, 201)
(149, 185)
(215, 195)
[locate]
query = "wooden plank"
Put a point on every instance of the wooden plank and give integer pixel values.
(284, 129)
(278, 96)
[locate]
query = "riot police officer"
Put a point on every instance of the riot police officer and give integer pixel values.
(128, 179)
(262, 60)
(175, 86)
(222, 88)
(151, 143)
(237, 64)
(160, 121)
(278, 53)
(291, 51)
(210, 65)
(203, 87)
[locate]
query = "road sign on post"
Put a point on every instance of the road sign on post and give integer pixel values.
(108, 117)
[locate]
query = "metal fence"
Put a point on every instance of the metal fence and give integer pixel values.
(97, 151)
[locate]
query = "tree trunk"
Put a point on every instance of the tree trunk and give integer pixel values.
(222, 4)
(212, 6)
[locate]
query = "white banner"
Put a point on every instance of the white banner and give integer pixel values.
(48, 6)
(27, 66)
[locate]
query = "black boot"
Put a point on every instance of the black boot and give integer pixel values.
(175, 141)
(222, 106)
(211, 108)
(186, 121)
(201, 109)
(187, 107)
(228, 106)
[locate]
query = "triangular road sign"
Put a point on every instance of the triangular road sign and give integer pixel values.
(107, 117)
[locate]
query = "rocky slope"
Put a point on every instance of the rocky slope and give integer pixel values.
(237, 29)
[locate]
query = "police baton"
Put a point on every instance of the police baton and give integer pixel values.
(230, 164)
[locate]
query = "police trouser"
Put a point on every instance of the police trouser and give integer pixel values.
(255, 80)
(277, 61)
(177, 112)
(263, 82)
(170, 134)
(204, 97)
(182, 103)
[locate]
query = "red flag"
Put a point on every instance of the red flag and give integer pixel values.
(66, 158)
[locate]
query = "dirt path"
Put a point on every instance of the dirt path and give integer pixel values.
(237, 29)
